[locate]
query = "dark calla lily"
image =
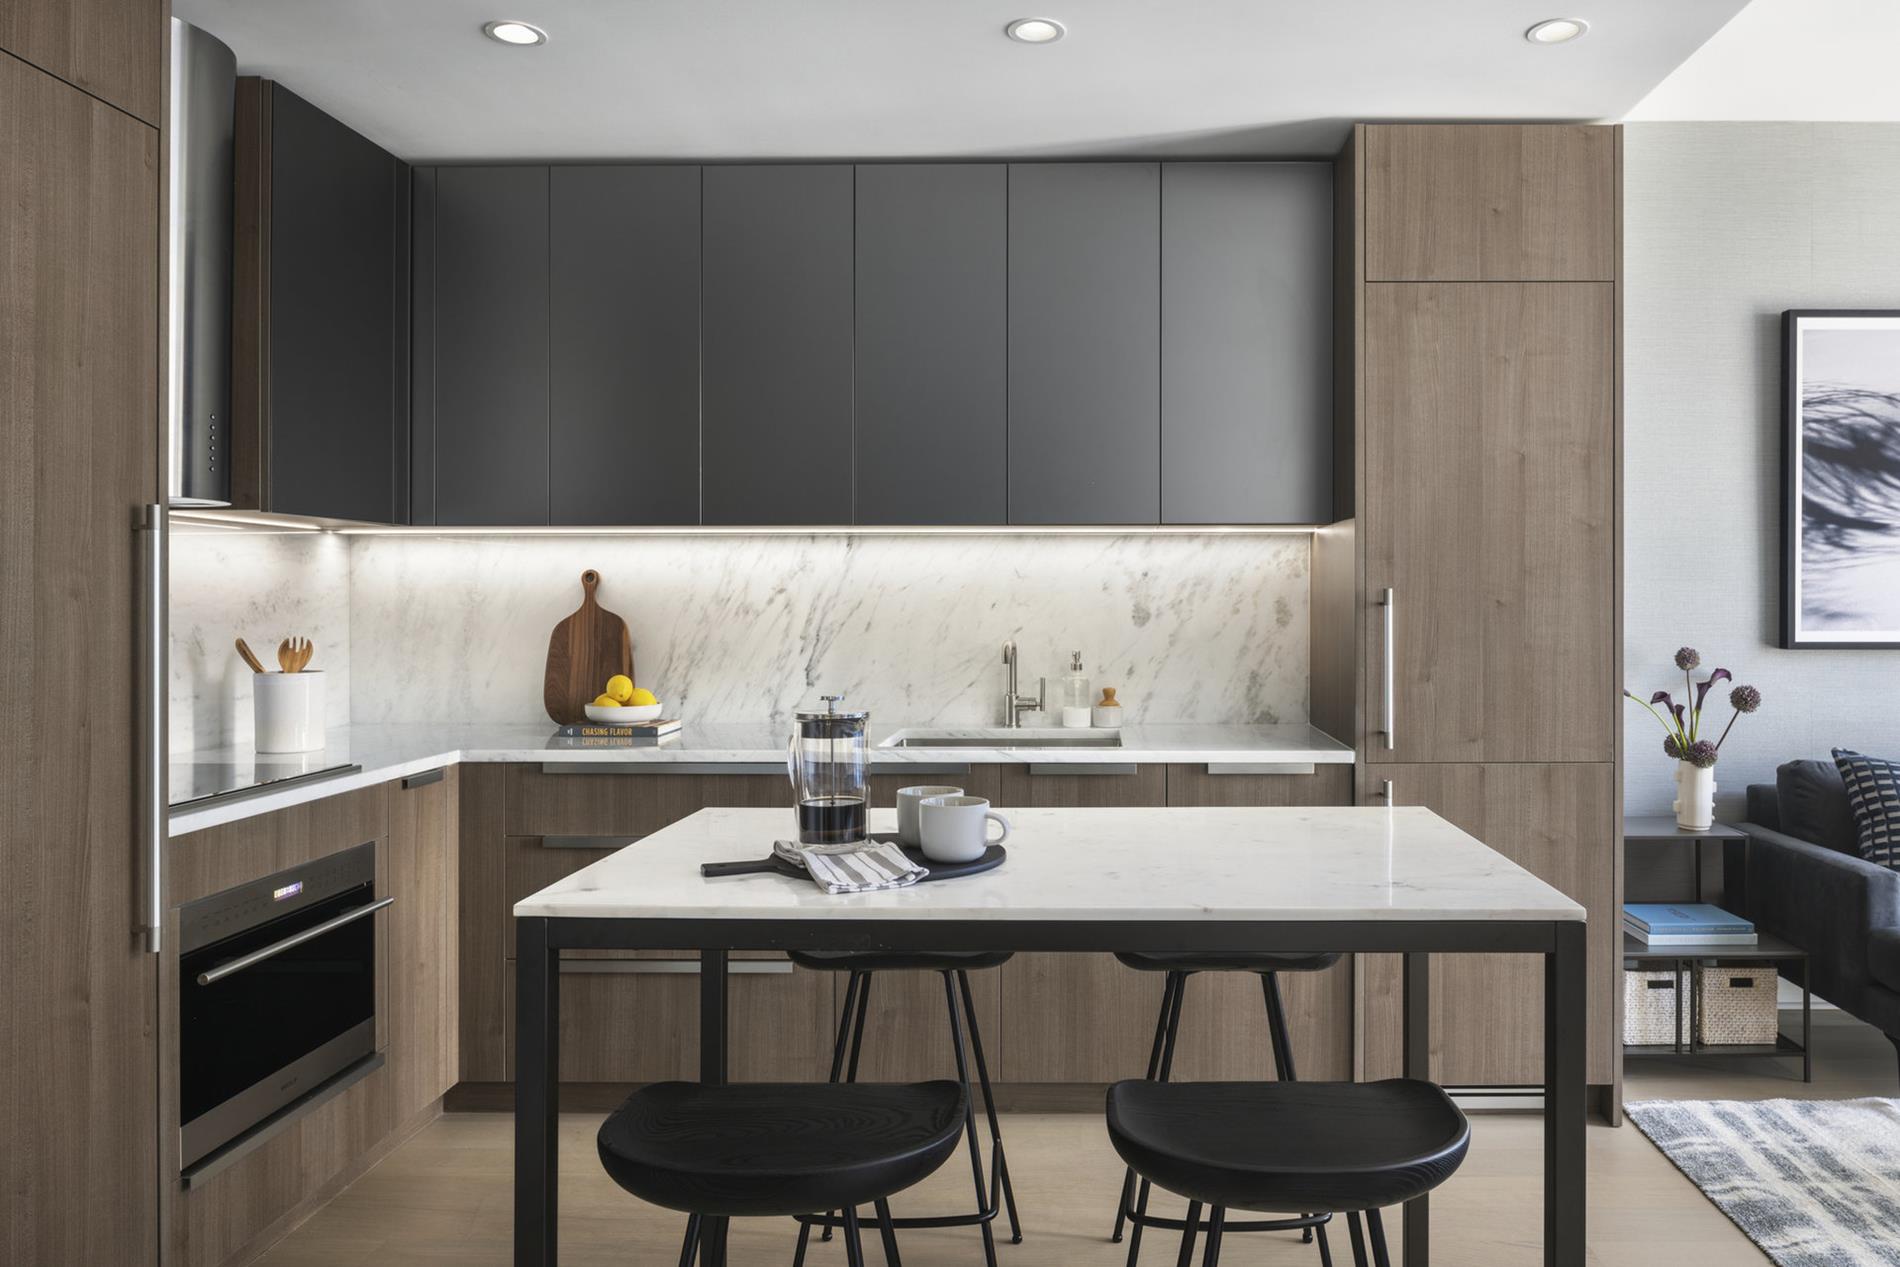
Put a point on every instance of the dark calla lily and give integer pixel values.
(1702, 689)
(1662, 697)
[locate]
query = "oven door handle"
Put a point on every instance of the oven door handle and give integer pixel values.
(276, 948)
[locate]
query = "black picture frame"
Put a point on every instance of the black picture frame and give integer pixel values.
(1795, 635)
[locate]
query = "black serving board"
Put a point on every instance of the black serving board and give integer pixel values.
(990, 859)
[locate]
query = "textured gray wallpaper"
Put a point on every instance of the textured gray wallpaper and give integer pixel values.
(1725, 225)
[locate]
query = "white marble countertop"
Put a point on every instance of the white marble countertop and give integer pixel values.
(1334, 863)
(394, 751)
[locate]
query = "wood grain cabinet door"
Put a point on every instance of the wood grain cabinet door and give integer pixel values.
(424, 961)
(79, 444)
(1559, 823)
(1490, 202)
(109, 48)
(1490, 451)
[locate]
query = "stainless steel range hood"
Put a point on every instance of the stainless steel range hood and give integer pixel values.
(198, 335)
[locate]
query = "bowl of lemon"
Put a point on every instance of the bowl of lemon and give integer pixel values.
(623, 703)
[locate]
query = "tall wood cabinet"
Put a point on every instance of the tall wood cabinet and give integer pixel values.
(1480, 296)
(79, 181)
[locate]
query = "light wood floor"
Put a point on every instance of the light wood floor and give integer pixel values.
(445, 1196)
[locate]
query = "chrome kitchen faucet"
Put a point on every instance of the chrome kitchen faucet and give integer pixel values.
(1014, 705)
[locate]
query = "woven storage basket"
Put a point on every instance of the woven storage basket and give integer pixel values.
(1736, 1004)
(1649, 1006)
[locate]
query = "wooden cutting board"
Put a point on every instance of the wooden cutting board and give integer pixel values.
(585, 650)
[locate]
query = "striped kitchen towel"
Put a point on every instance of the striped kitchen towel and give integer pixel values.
(860, 868)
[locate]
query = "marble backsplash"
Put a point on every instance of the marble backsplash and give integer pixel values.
(262, 587)
(745, 629)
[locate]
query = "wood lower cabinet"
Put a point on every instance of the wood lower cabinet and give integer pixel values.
(79, 442)
(1558, 822)
(424, 968)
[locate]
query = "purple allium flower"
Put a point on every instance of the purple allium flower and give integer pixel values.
(1670, 749)
(1746, 699)
(1688, 658)
(1701, 754)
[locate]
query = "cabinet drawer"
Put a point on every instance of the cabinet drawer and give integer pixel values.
(1200, 785)
(628, 1022)
(629, 802)
(534, 862)
(1109, 783)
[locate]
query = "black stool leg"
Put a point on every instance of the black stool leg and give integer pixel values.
(1358, 1239)
(1167, 1067)
(856, 993)
(1215, 1222)
(712, 1238)
(969, 1119)
(887, 1233)
(999, 1160)
(853, 1243)
(1154, 1067)
(690, 1246)
(1376, 1229)
(1193, 1221)
(1282, 1041)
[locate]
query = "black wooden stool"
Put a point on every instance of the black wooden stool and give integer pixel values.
(1289, 1147)
(955, 967)
(775, 1149)
(1133, 1207)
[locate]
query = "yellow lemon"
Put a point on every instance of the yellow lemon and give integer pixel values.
(606, 701)
(620, 686)
(642, 696)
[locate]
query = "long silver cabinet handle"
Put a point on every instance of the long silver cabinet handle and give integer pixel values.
(153, 772)
(672, 967)
(276, 948)
(1387, 723)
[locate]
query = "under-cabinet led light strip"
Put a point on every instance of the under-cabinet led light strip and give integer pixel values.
(227, 519)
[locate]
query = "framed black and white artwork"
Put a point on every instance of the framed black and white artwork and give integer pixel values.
(1840, 501)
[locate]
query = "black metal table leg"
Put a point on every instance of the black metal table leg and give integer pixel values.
(1565, 1046)
(1416, 1031)
(712, 1069)
(537, 1092)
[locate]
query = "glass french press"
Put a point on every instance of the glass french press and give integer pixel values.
(830, 769)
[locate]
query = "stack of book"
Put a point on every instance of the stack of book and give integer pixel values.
(1686, 924)
(639, 734)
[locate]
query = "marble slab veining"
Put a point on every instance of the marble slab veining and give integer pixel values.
(1333, 863)
(1201, 628)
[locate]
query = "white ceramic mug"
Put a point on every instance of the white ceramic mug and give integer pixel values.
(956, 828)
(907, 799)
(288, 713)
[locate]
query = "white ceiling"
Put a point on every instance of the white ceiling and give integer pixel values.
(912, 78)
(1790, 59)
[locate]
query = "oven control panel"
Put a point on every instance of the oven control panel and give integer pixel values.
(221, 915)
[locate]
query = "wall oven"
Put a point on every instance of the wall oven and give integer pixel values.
(276, 996)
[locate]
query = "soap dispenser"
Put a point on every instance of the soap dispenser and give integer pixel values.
(1075, 695)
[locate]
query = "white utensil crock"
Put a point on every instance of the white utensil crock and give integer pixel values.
(288, 711)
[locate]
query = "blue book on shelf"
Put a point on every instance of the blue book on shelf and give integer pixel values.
(1681, 919)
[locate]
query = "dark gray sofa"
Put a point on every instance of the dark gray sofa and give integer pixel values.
(1806, 883)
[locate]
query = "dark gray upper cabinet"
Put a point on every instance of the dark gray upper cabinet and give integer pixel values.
(932, 344)
(321, 367)
(1084, 343)
(775, 422)
(623, 360)
(491, 345)
(1246, 343)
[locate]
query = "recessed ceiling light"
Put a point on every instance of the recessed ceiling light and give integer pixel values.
(1557, 31)
(1035, 30)
(509, 31)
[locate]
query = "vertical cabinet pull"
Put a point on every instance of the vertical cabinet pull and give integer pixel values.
(153, 768)
(1388, 691)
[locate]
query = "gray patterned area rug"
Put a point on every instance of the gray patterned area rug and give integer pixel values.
(1815, 1183)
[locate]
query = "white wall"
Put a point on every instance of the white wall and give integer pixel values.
(1725, 225)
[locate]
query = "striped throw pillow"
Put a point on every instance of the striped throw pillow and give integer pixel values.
(1873, 789)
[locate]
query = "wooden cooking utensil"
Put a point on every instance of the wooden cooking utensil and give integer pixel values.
(294, 653)
(585, 650)
(244, 650)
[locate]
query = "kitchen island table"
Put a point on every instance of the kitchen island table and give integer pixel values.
(1400, 880)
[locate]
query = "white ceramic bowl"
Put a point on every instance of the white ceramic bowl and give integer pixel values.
(623, 716)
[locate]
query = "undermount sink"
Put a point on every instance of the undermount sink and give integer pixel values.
(1001, 738)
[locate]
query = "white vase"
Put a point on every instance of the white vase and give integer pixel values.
(1695, 796)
